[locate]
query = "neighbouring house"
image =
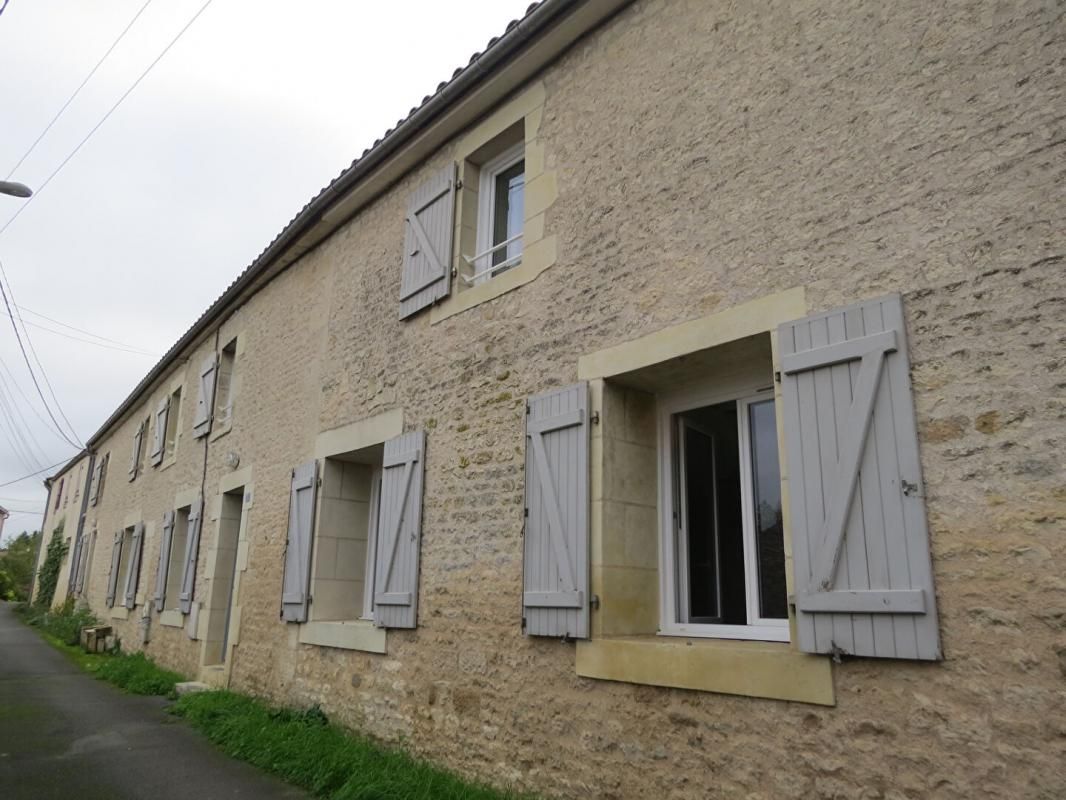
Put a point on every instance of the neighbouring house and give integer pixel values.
(63, 515)
(669, 406)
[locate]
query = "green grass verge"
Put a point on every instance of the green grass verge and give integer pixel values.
(303, 748)
(134, 672)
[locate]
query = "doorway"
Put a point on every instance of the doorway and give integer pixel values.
(220, 604)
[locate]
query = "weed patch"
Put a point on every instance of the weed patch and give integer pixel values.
(303, 748)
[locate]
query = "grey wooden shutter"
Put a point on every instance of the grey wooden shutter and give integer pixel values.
(83, 562)
(164, 560)
(159, 442)
(206, 399)
(75, 560)
(399, 531)
(863, 576)
(112, 576)
(138, 442)
(133, 570)
(427, 246)
(94, 483)
(296, 582)
(555, 556)
(192, 554)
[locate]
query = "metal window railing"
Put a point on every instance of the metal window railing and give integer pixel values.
(510, 262)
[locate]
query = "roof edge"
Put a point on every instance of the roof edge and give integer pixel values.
(539, 19)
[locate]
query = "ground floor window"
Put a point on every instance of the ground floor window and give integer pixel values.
(342, 583)
(179, 542)
(723, 539)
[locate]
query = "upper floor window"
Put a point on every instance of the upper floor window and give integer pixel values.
(501, 213)
(59, 494)
(172, 423)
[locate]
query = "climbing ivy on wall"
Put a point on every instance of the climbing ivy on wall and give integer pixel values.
(48, 575)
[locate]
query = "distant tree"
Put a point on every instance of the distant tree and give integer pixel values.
(16, 566)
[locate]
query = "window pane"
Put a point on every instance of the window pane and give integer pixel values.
(769, 532)
(703, 578)
(712, 525)
(509, 211)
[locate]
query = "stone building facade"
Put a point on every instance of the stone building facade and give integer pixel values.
(698, 187)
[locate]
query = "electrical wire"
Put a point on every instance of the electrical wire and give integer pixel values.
(32, 474)
(32, 407)
(89, 341)
(21, 433)
(104, 119)
(19, 419)
(29, 366)
(77, 91)
(25, 310)
(24, 510)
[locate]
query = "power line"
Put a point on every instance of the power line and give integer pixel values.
(25, 430)
(71, 327)
(104, 119)
(24, 510)
(32, 407)
(89, 341)
(19, 433)
(77, 91)
(32, 474)
(29, 366)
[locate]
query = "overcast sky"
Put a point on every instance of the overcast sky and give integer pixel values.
(257, 106)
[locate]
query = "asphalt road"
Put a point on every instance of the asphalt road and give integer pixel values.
(66, 735)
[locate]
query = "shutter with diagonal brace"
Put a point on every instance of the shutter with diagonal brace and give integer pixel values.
(296, 581)
(399, 531)
(863, 577)
(159, 441)
(138, 442)
(133, 570)
(205, 401)
(192, 553)
(112, 576)
(555, 556)
(164, 561)
(427, 247)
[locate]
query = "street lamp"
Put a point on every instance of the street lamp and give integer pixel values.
(15, 189)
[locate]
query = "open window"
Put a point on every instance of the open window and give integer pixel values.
(723, 519)
(171, 445)
(225, 392)
(346, 537)
(493, 207)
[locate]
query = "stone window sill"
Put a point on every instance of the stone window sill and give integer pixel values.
(355, 635)
(772, 670)
(172, 619)
(120, 612)
(220, 430)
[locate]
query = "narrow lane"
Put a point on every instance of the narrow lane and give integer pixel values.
(64, 734)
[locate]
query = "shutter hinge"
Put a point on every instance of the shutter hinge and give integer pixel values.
(594, 418)
(455, 272)
(525, 512)
(594, 602)
(908, 487)
(777, 376)
(459, 184)
(528, 409)
(523, 623)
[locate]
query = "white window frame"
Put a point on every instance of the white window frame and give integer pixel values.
(372, 544)
(670, 577)
(487, 213)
